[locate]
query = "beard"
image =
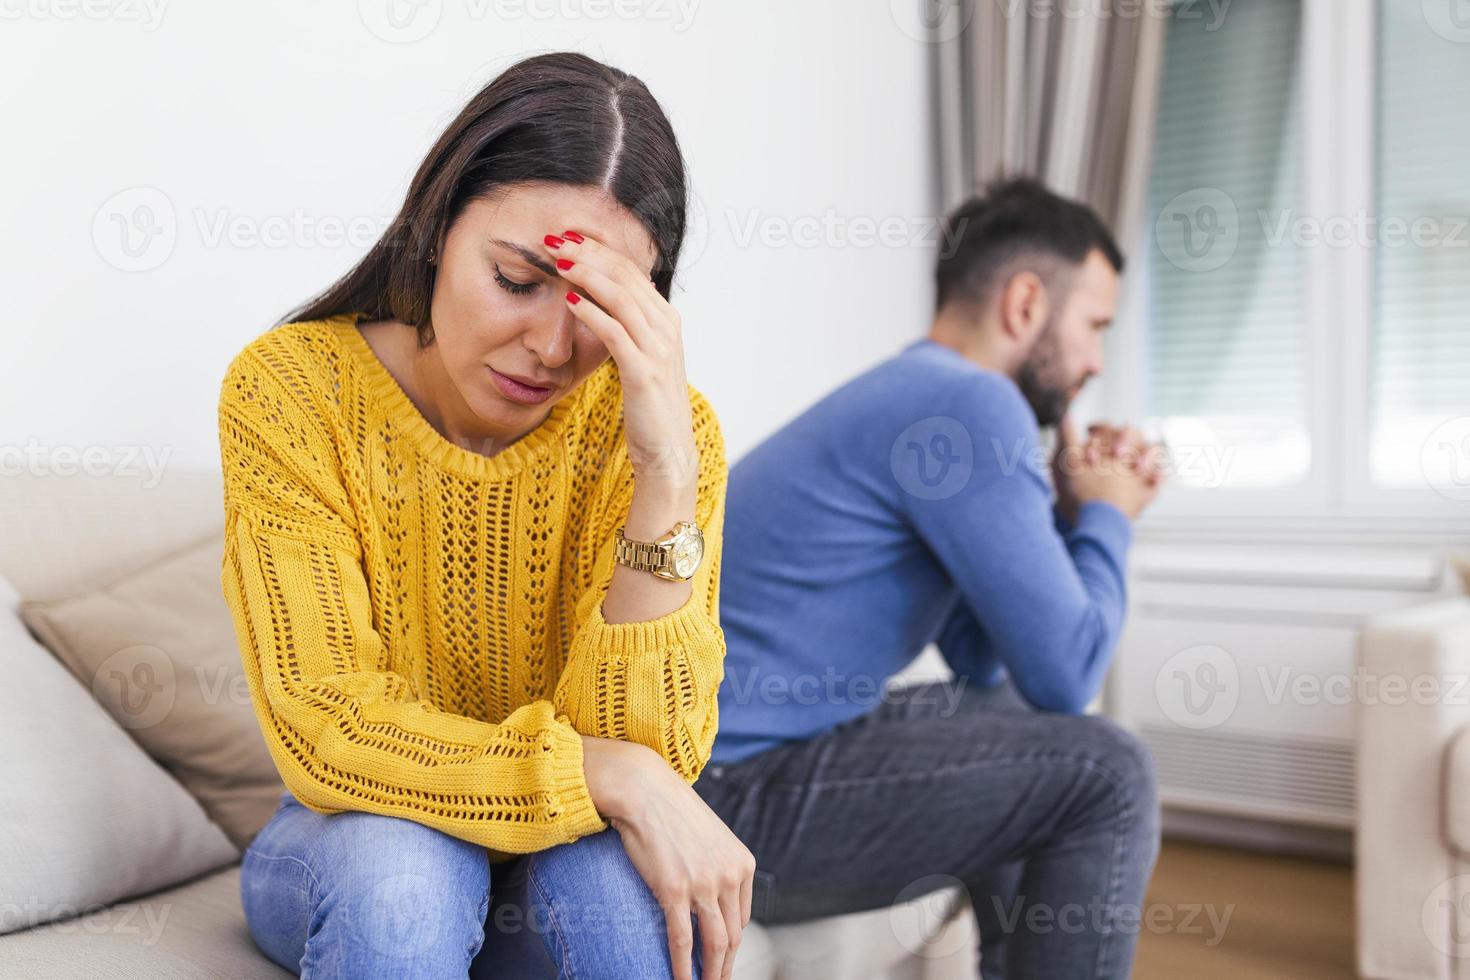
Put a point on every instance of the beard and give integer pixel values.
(1041, 378)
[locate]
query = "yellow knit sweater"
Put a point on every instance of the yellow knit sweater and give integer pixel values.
(421, 625)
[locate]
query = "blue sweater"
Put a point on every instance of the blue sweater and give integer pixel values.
(910, 505)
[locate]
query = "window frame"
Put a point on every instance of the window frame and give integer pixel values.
(1339, 94)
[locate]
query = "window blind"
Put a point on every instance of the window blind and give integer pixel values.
(1420, 364)
(1227, 358)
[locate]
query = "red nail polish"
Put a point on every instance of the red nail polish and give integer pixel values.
(573, 298)
(572, 236)
(564, 264)
(553, 242)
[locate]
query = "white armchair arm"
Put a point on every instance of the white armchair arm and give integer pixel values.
(1418, 663)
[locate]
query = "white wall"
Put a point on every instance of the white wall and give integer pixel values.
(254, 114)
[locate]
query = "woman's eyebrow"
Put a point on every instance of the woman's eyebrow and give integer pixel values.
(528, 255)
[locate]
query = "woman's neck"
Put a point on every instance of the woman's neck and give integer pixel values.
(420, 372)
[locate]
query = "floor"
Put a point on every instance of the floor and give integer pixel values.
(1223, 913)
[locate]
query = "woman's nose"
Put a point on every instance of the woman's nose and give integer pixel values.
(551, 340)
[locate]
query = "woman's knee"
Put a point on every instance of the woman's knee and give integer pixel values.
(592, 880)
(406, 878)
(381, 890)
(592, 908)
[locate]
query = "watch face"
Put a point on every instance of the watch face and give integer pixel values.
(686, 550)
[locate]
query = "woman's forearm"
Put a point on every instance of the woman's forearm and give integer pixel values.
(659, 502)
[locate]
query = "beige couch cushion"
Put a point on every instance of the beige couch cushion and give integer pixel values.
(192, 931)
(62, 535)
(86, 817)
(158, 650)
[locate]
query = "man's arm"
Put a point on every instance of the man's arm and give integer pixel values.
(962, 641)
(1048, 608)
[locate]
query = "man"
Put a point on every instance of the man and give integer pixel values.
(912, 505)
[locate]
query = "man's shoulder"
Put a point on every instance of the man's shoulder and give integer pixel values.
(856, 424)
(927, 379)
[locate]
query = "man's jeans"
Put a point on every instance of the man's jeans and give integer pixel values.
(1049, 820)
(363, 895)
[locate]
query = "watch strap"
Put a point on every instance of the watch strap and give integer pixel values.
(643, 555)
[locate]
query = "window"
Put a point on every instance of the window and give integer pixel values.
(1226, 345)
(1303, 286)
(1420, 363)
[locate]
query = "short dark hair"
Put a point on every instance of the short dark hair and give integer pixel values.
(1017, 224)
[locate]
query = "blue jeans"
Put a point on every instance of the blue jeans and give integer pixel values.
(1049, 821)
(362, 895)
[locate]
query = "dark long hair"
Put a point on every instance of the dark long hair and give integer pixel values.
(560, 117)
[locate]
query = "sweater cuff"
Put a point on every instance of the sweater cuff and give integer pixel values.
(575, 815)
(1106, 524)
(687, 627)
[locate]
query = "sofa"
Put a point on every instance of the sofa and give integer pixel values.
(1413, 795)
(135, 777)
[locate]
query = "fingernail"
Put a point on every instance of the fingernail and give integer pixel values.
(573, 298)
(564, 264)
(572, 236)
(553, 242)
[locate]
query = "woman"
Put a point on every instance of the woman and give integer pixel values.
(464, 493)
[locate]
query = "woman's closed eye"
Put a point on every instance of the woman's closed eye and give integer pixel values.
(511, 286)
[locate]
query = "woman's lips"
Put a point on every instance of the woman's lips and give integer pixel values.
(518, 391)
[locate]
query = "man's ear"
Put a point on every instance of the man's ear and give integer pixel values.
(1023, 308)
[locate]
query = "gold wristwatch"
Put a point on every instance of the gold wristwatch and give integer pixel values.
(675, 556)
